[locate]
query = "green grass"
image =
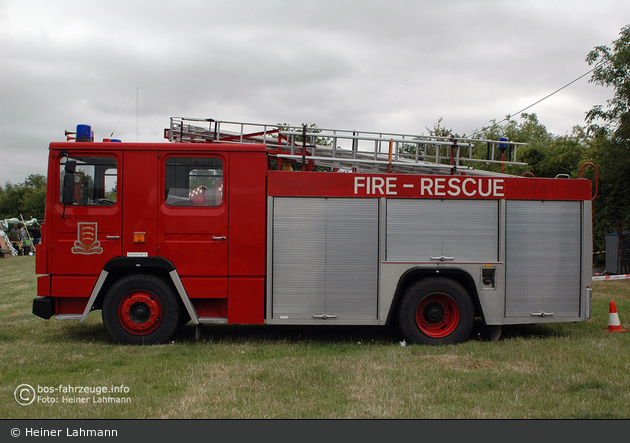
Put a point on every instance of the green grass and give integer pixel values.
(556, 371)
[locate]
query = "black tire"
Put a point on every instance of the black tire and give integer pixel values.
(436, 311)
(141, 310)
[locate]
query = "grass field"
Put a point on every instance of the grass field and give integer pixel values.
(560, 371)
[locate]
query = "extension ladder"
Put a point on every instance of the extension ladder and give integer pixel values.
(367, 152)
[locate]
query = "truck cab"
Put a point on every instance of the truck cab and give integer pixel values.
(190, 217)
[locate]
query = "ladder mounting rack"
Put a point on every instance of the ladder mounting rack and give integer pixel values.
(368, 152)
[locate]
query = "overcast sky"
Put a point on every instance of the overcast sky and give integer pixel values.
(396, 66)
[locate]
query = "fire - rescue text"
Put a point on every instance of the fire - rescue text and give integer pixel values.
(468, 187)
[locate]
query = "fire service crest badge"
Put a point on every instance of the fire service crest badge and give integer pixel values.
(87, 242)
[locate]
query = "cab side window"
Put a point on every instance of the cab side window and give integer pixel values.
(193, 181)
(94, 182)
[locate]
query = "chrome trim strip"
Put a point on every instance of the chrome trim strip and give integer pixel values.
(214, 320)
(182, 293)
(68, 316)
(94, 294)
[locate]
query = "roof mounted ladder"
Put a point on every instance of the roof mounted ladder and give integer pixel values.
(368, 152)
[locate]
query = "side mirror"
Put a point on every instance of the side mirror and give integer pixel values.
(70, 167)
(68, 189)
(68, 182)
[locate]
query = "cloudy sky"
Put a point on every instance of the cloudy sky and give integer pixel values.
(396, 66)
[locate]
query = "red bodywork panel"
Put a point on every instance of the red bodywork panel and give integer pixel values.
(323, 184)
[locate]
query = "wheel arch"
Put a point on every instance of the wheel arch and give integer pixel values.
(120, 267)
(414, 275)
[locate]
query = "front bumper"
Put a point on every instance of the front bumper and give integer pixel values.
(44, 307)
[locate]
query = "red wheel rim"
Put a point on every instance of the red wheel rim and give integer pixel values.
(140, 312)
(437, 315)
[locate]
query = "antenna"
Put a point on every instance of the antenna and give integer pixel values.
(136, 114)
(121, 115)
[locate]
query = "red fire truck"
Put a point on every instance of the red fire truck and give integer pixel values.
(241, 223)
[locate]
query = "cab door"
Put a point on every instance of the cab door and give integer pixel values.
(193, 221)
(87, 228)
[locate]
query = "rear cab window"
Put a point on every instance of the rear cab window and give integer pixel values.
(193, 181)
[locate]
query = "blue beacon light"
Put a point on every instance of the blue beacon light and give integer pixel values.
(502, 146)
(84, 133)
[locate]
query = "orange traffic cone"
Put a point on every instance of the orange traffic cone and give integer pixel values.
(614, 325)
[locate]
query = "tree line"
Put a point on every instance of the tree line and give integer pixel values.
(26, 199)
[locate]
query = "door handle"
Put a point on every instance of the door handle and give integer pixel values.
(113, 237)
(219, 238)
(442, 258)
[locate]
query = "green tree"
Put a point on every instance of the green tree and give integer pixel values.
(609, 144)
(546, 155)
(428, 150)
(612, 203)
(612, 68)
(609, 128)
(440, 131)
(27, 198)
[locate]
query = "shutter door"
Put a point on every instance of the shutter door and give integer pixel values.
(467, 230)
(325, 258)
(543, 244)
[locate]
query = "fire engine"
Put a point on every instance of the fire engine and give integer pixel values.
(244, 223)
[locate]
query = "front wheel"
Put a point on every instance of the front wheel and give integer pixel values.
(436, 311)
(141, 309)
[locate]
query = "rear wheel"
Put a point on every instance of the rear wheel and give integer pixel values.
(436, 311)
(141, 309)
